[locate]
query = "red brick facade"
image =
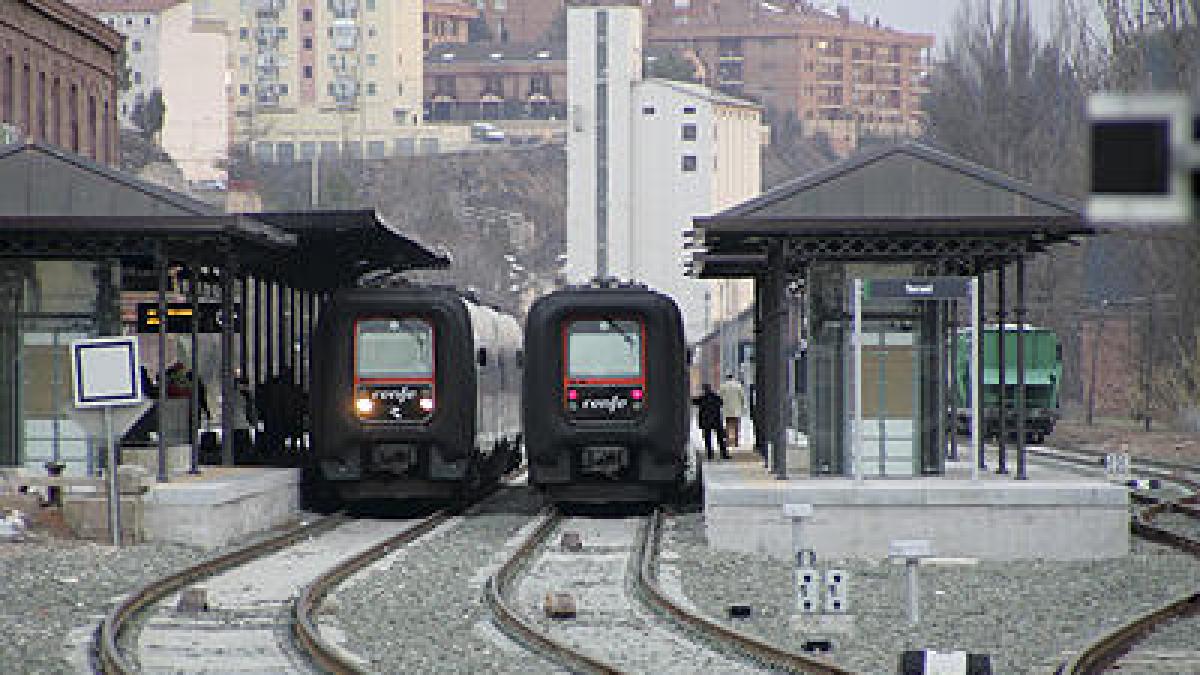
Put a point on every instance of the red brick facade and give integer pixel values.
(836, 74)
(58, 77)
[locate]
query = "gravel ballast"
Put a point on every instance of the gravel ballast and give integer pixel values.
(52, 591)
(422, 611)
(1025, 614)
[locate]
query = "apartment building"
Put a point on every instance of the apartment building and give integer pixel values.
(162, 39)
(519, 21)
(504, 82)
(447, 22)
(840, 76)
(645, 157)
(327, 78)
(58, 82)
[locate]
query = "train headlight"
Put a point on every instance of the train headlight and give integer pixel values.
(364, 406)
(427, 404)
(572, 395)
(636, 394)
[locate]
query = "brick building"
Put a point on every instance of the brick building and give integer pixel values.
(446, 21)
(58, 81)
(519, 21)
(839, 76)
(495, 82)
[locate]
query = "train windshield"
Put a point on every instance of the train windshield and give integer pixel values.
(394, 348)
(604, 348)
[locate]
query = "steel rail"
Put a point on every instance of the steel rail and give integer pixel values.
(1109, 647)
(329, 656)
(112, 659)
(645, 583)
(510, 620)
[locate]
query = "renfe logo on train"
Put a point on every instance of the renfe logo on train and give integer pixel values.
(612, 404)
(400, 395)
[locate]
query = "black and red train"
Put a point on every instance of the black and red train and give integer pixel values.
(415, 394)
(604, 401)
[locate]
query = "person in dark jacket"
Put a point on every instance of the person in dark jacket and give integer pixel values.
(708, 404)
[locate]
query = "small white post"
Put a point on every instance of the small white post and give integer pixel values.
(911, 551)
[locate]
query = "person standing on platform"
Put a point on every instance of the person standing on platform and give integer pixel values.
(708, 404)
(733, 402)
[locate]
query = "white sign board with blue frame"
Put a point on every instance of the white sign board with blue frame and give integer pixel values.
(105, 372)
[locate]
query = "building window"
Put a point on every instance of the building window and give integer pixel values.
(689, 110)
(307, 14)
(244, 60)
(333, 60)
(281, 33)
(129, 21)
(370, 5)
(400, 89)
(308, 72)
(147, 21)
(688, 132)
(136, 46)
(307, 42)
(370, 89)
(372, 59)
(371, 32)
(283, 90)
(689, 163)
(243, 33)
(244, 89)
(647, 110)
(137, 77)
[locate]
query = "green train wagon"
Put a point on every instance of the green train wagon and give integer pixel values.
(1043, 381)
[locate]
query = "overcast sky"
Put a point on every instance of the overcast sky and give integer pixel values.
(925, 16)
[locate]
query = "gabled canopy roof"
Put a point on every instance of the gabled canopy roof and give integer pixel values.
(54, 204)
(902, 203)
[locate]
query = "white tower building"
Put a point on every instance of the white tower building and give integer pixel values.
(644, 157)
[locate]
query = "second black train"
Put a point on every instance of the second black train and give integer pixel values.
(604, 401)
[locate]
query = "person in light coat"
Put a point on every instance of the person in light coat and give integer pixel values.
(733, 402)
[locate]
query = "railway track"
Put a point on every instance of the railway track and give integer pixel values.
(1131, 647)
(646, 632)
(258, 623)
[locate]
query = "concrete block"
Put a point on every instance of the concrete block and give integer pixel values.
(179, 458)
(87, 518)
(559, 605)
(212, 511)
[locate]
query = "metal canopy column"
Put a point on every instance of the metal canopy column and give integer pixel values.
(952, 330)
(194, 412)
(773, 344)
(1020, 312)
(1002, 365)
(980, 311)
(160, 262)
(228, 388)
(757, 409)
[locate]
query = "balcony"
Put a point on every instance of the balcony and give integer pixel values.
(467, 111)
(345, 34)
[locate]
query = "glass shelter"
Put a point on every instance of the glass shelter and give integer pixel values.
(904, 211)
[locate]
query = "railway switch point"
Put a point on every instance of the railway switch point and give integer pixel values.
(740, 611)
(560, 605)
(192, 600)
(572, 541)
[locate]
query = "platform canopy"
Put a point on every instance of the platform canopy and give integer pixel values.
(54, 204)
(903, 203)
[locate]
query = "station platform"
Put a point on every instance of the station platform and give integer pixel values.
(1054, 515)
(218, 506)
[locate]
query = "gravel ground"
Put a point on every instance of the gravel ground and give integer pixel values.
(610, 624)
(422, 609)
(52, 591)
(1025, 614)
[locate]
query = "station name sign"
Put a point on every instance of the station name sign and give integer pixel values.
(179, 317)
(917, 288)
